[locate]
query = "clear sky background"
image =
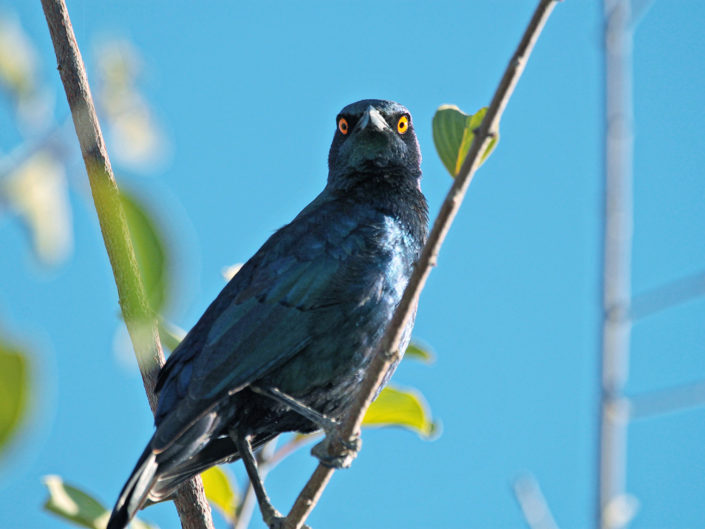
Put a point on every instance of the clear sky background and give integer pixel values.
(246, 95)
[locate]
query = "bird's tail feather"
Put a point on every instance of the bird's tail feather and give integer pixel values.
(136, 490)
(156, 477)
(218, 451)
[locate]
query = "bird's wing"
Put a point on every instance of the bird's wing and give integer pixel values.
(278, 302)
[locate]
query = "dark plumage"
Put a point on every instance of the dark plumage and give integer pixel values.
(303, 315)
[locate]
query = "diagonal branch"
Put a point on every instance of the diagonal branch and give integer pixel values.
(141, 323)
(533, 504)
(388, 350)
(668, 400)
(666, 296)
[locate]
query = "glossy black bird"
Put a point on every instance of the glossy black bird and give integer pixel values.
(284, 346)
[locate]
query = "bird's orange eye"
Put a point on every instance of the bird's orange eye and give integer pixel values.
(403, 124)
(343, 126)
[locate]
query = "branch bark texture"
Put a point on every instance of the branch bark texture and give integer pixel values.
(388, 350)
(141, 323)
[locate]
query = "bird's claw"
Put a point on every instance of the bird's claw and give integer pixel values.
(273, 518)
(336, 452)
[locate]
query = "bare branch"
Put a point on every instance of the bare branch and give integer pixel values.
(533, 503)
(141, 323)
(388, 349)
(669, 400)
(666, 296)
(294, 444)
(616, 271)
(640, 9)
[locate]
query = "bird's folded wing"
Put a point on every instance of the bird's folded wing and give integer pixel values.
(270, 311)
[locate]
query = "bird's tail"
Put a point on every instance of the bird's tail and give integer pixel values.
(157, 477)
(135, 492)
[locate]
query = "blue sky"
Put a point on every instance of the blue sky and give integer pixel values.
(246, 96)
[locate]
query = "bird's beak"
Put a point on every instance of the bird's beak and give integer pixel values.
(372, 120)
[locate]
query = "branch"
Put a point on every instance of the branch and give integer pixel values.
(662, 401)
(533, 503)
(640, 9)
(666, 296)
(287, 449)
(616, 267)
(141, 324)
(388, 350)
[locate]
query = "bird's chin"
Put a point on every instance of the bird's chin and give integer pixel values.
(375, 164)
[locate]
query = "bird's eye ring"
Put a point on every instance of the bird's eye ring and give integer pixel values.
(403, 124)
(343, 126)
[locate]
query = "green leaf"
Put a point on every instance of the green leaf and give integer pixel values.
(453, 133)
(14, 383)
(149, 249)
(399, 407)
(74, 505)
(419, 351)
(220, 491)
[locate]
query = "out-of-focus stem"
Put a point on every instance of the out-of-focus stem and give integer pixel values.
(616, 272)
(191, 503)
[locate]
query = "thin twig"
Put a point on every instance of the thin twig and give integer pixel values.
(141, 324)
(640, 8)
(616, 271)
(668, 400)
(50, 139)
(294, 444)
(666, 296)
(388, 349)
(533, 504)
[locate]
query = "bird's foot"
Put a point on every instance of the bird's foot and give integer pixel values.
(273, 518)
(336, 452)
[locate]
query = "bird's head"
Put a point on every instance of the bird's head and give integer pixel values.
(374, 136)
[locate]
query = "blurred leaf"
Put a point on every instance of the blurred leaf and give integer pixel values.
(418, 351)
(220, 491)
(229, 271)
(18, 57)
(620, 510)
(136, 523)
(38, 192)
(149, 249)
(170, 334)
(453, 133)
(398, 407)
(134, 134)
(74, 505)
(19, 66)
(78, 507)
(14, 383)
